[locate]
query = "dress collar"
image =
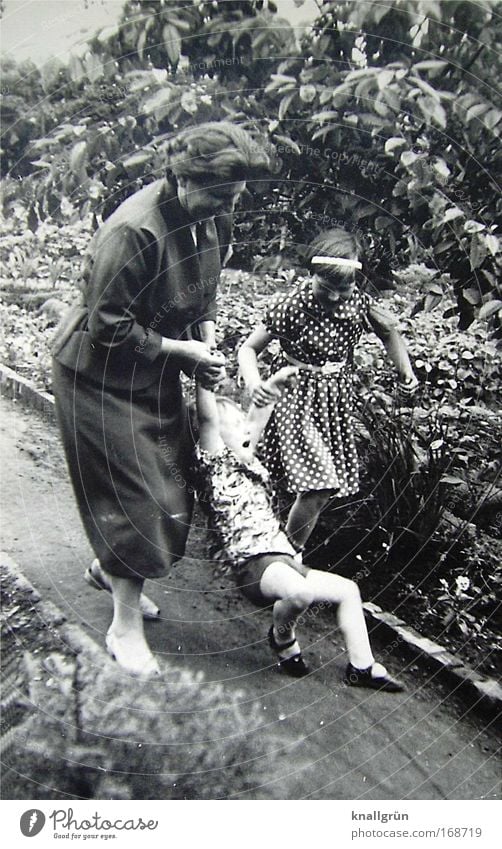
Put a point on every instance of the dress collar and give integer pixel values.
(344, 309)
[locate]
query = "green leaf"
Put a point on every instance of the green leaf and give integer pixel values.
(478, 251)
(489, 309)
(434, 66)
(326, 115)
(172, 43)
(452, 213)
(452, 480)
(476, 111)
(393, 143)
(384, 78)
(287, 142)
(472, 296)
(285, 104)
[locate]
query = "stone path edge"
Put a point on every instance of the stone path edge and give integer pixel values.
(481, 693)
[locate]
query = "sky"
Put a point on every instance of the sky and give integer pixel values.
(42, 29)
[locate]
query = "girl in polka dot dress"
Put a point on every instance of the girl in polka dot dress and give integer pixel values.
(310, 443)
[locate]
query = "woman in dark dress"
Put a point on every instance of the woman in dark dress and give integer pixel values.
(148, 312)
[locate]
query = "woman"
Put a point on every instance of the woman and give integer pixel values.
(148, 313)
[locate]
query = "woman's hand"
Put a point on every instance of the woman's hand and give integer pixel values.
(197, 360)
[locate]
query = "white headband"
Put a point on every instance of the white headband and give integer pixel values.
(336, 260)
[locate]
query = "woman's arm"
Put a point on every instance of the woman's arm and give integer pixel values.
(208, 420)
(248, 362)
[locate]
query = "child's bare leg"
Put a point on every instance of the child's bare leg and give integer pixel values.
(304, 515)
(325, 586)
(125, 639)
(289, 588)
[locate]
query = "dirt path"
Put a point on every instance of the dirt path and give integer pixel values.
(343, 743)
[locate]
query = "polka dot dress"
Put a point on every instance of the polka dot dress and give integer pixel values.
(309, 443)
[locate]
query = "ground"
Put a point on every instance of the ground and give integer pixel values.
(341, 743)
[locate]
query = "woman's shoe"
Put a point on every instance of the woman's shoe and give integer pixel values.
(363, 678)
(124, 656)
(294, 665)
(94, 577)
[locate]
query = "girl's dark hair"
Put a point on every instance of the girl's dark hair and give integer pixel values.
(336, 242)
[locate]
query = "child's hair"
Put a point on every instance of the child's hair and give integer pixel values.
(336, 243)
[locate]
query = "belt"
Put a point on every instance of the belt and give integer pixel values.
(327, 369)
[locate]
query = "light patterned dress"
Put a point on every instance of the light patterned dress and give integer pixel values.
(238, 500)
(310, 442)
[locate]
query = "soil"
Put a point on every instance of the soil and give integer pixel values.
(342, 743)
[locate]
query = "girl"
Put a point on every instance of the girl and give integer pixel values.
(234, 492)
(310, 440)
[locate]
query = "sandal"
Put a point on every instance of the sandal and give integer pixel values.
(363, 678)
(148, 607)
(148, 669)
(295, 665)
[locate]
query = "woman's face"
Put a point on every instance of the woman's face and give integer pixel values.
(202, 200)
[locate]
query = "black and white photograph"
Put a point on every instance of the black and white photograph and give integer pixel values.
(250, 347)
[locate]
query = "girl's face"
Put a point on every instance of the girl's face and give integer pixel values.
(235, 431)
(331, 289)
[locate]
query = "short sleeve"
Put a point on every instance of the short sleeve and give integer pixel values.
(279, 317)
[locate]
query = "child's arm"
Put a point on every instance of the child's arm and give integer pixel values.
(396, 348)
(258, 416)
(248, 362)
(208, 420)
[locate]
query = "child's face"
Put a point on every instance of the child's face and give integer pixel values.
(235, 431)
(334, 288)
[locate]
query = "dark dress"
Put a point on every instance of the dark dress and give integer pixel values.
(120, 407)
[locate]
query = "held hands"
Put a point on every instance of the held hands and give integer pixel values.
(206, 365)
(269, 391)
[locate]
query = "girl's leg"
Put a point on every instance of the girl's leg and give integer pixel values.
(125, 639)
(362, 671)
(304, 515)
(292, 597)
(325, 586)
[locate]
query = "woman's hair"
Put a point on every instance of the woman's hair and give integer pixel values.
(219, 150)
(335, 243)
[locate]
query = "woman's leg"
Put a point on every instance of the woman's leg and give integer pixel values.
(325, 586)
(125, 639)
(304, 515)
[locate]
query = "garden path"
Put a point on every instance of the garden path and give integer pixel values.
(343, 743)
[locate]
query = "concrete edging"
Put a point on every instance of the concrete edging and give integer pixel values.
(480, 692)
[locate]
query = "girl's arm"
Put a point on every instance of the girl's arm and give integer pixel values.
(258, 416)
(207, 415)
(395, 346)
(248, 362)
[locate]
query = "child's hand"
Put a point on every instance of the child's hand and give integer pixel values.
(283, 379)
(262, 395)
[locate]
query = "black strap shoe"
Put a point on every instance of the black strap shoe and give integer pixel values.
(363, 678)
(295, 665)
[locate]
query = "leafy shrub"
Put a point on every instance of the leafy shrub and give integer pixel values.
(90, 737)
